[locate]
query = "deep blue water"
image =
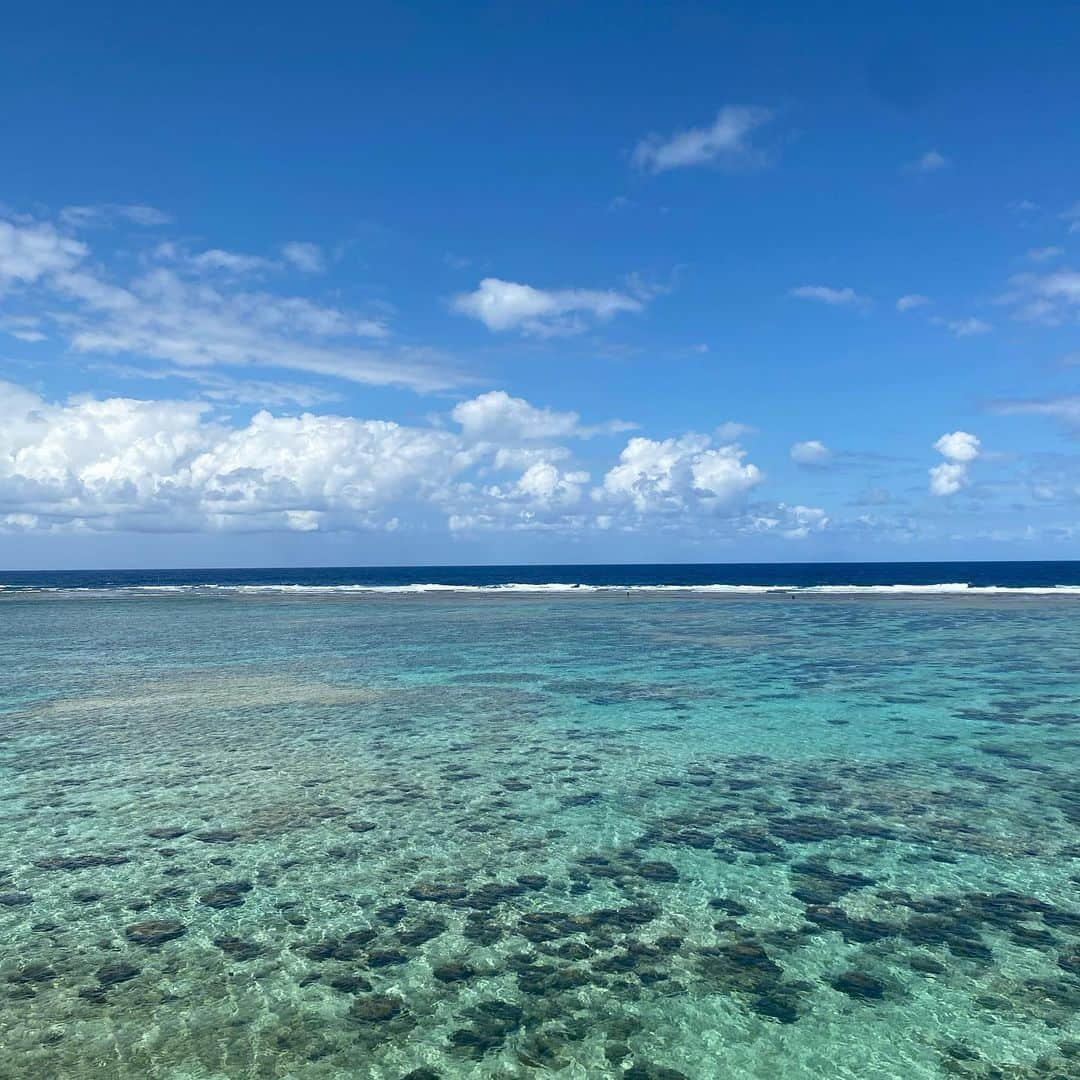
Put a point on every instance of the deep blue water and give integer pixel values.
(798, 575)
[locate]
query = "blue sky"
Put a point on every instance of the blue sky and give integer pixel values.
(481, 283)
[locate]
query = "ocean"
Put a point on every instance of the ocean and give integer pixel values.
(575, 821)
(924, 577)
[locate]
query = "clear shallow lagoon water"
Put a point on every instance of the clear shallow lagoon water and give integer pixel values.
(273, 835)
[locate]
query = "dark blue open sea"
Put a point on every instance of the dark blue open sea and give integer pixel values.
(639, 822)
(752, 577)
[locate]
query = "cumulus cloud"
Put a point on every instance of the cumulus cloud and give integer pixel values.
(506, 305)
(541, 487)
(498, 416)
(825, 294)
(671, 475)
(122, 463)
(911, 301)
(811, 452)
(791, 522)
(726, 141)
(959, 448)
(947, 478)
(125, 464)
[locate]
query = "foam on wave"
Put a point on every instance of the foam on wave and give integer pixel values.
(286, 588)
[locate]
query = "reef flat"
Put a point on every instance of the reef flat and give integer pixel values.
(502, 837)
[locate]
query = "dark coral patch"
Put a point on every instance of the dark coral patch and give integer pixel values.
(154, 932)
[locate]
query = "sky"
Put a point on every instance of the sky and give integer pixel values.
(493, 283)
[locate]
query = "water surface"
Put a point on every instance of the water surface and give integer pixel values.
(249, 835)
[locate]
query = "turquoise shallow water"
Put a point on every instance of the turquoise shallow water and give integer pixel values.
(466, 836)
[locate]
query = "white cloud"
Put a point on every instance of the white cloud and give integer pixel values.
(791, 522)
(1044, 253)
(121, 463)
(931, 161)
(1050, 299)
(221, 389)
(1072, 216)
(959, 448)
(947, 478)
(731, 431)
(673, 474)
(29, 252)
(1064, 409)
(105, 213)
(165, 465)
(962, 328)
(306, 257)
(175, 313)
(229, 261)
(23, 327)
(543, 485)
(811, 452)
(506, 305)
(911, 301)
(726, 140)
(825, 294)
(498, 416)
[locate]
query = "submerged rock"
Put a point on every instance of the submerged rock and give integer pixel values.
(376, 1008)
(776, 1007)
(438, 894)
(239, 949)
(391, 914)
(111, 974)
(386, 958)
(350, 984)
(80, 862)
(859, 985)
(729, 907)
(653, 1072)
(15, 899)
(218, 836)
(421, 933)
(154, 932)
(536, 882)
(658, 871)
(926, 965)
(33, 973)
(451, 973)
(227, 895)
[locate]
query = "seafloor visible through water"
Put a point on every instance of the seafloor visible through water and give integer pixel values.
(646, 837)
